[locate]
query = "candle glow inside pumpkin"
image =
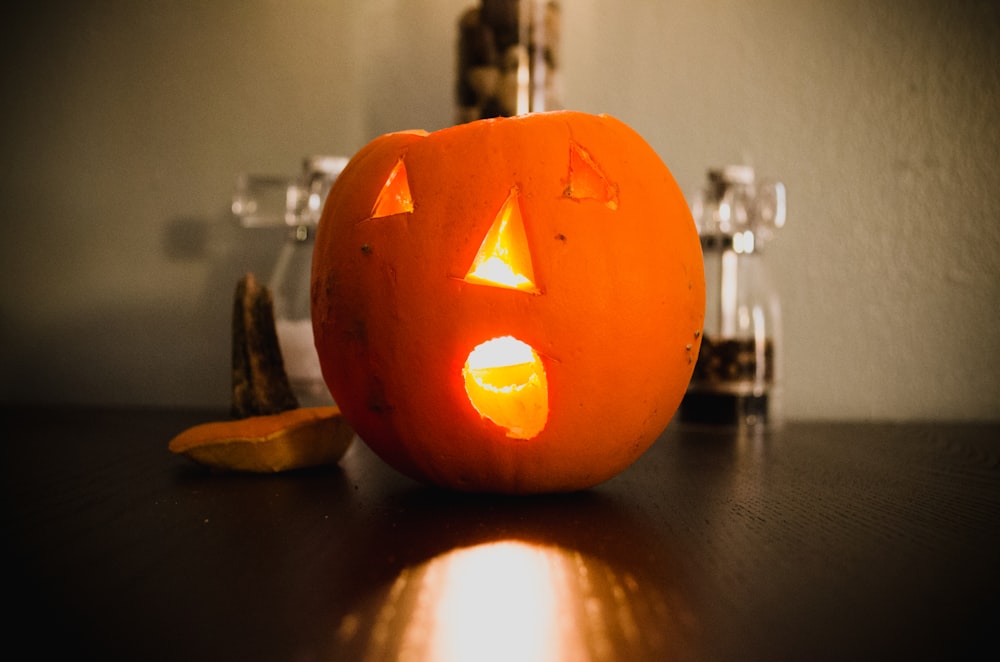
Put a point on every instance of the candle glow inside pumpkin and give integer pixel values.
(504, 377)
(505, 381)
(503, 259)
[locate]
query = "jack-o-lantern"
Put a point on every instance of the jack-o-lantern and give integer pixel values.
(509, 305)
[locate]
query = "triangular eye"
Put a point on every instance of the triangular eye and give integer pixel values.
(504, 259)
(587, 181)
(394, 198)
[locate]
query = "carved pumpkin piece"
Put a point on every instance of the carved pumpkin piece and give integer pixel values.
(508, 305)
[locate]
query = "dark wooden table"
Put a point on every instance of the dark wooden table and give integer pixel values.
(818, 541)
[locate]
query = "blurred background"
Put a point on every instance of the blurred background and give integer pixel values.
(125, 125)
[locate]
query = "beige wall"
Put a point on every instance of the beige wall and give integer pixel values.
(126, 122)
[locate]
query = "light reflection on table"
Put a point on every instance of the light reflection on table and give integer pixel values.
(820, 541)
(510, 600)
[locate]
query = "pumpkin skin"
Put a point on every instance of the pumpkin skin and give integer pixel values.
(615, 313)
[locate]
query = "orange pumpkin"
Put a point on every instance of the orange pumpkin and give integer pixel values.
(509, 305)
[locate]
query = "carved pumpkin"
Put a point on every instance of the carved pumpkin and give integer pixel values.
(508, 305)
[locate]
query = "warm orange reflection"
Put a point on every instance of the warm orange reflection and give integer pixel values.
(513, 600)
(495, 602)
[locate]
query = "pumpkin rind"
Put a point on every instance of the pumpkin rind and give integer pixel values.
(615, 315)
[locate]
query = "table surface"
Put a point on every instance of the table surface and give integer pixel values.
(816, 541)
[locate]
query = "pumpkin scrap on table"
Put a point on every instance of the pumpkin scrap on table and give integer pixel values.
(269, 432)
(509, 305)
(294, 439)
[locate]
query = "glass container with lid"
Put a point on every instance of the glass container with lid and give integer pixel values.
(262, 201)
(508, 59)
(737, 377)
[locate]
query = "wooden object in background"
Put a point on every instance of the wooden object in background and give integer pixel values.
(260, 384)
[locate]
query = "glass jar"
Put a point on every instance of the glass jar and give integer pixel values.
(296, 203)
(737, 377)
(508, 59)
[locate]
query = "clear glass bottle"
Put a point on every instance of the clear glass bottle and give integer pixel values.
(297, 203)
(508, 59)
(737, 378)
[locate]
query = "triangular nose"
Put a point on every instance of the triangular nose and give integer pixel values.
(504, 258)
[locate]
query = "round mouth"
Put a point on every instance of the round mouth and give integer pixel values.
(505, 381)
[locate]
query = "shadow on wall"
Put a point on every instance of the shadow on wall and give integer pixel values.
(127, 353)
